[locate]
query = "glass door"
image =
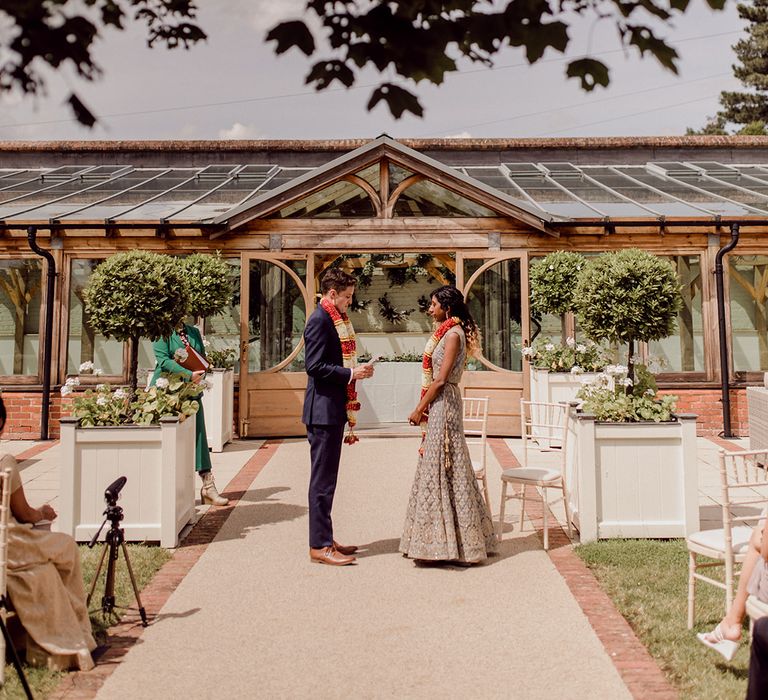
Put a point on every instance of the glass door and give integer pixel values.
(496, 289)
(273, 314)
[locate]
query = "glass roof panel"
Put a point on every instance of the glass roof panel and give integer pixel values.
(687, 194)
(285, 175)
(370, 175)
(397, 175)
(340, 200)
(493, 177)
(427, 198)
(77, 194)
(724, 190)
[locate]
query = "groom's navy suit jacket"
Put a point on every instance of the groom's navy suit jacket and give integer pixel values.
(325, 400)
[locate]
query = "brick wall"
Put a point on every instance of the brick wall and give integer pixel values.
(24, 408)
(707, 405)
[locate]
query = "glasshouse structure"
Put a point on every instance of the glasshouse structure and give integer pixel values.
(404, 217)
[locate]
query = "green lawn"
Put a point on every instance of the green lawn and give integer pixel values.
(145, 561)
(647, 581)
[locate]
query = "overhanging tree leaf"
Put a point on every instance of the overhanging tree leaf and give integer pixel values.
(398, 99)
(590, 72)
(286, 35)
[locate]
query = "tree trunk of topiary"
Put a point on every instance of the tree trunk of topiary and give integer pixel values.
(133, 366)
(562, 329)
(630, 364)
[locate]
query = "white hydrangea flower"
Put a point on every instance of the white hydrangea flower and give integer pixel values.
(102, 401)
(649, 392)
(626, 381)
(549, 347)
(73, 381)
(66, 390)
(162, 383)
(86, 366)
(180, 355)
(97, 371)
(527, 352)
(576, 370)
(206, 343)
(121, 394)
(570, 342)
(616, 370)
(581, 348)
(102, 387)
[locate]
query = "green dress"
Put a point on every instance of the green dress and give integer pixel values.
(164, 351)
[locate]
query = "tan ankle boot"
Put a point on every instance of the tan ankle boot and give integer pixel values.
(208, 493)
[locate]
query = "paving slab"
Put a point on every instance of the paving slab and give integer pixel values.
(255, 618)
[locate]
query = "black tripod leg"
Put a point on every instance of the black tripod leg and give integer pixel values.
(142, 612)
(15, 658)
(96, 577)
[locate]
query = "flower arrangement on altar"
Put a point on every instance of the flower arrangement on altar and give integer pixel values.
(104, 406)
(571, 356)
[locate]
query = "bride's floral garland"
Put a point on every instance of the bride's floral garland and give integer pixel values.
(426, 363)
(346, 333)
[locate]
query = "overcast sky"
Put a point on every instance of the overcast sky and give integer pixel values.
(233, 86)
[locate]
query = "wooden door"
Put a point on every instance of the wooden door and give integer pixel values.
(273, 312)
(496, 289)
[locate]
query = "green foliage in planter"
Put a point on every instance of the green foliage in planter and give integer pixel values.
(220, 358)
(209, 281)
(614, 397)
(627, 296)
(136, 295)
(553, 281)
(172, 395)
(571, 356)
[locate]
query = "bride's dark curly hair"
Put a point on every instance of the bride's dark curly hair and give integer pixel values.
(452, 302)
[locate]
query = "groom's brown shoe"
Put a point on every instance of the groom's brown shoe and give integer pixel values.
(345, 548)
(329, 555)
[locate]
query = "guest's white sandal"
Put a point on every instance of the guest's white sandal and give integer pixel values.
(726, 647)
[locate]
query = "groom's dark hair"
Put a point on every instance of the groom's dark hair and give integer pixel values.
(336, 279)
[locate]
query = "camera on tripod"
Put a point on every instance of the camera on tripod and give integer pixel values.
(114, 543)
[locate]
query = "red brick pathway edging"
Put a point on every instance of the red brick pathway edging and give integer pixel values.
(635, 665)
(122, 637)
(35, 450)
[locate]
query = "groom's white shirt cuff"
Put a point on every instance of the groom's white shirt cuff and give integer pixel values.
(351, 375)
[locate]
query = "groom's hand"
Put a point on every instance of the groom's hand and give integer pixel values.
(362, 372)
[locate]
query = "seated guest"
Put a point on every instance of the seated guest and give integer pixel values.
(45, 582)
(726, 636)
(757, 687)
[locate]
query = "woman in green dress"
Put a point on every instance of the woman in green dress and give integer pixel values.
(174, 354)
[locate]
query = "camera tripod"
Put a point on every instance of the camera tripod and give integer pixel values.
(114, 541)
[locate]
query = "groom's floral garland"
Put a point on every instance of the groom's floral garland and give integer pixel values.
(426, 363)
(346, 333)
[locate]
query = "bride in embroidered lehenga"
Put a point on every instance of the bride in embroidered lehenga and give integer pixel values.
(447, 518)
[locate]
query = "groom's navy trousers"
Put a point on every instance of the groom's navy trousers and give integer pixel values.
(324, 414)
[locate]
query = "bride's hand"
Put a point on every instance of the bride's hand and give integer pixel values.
(415, 417)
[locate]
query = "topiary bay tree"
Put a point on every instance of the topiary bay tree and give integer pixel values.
(136, 295)
(209, 282)
(628, 296)
(553, 282)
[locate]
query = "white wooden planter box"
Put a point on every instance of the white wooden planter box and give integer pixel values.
(391, 394)
(218, 404)
(757, 410)
(629, 480)
(556, 387)
(158, 499)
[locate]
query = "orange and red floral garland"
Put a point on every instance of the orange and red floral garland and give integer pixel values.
(346, 334)
(426, 362)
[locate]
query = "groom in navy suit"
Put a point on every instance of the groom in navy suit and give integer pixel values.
(325, 413)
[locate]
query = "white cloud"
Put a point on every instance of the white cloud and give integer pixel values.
(240, 131)
(460, 135)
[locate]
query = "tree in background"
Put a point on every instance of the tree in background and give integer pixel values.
(627, 296)
(136, 295)
(748, 109)
(418, 40)
(553, 282)
(209, 282)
